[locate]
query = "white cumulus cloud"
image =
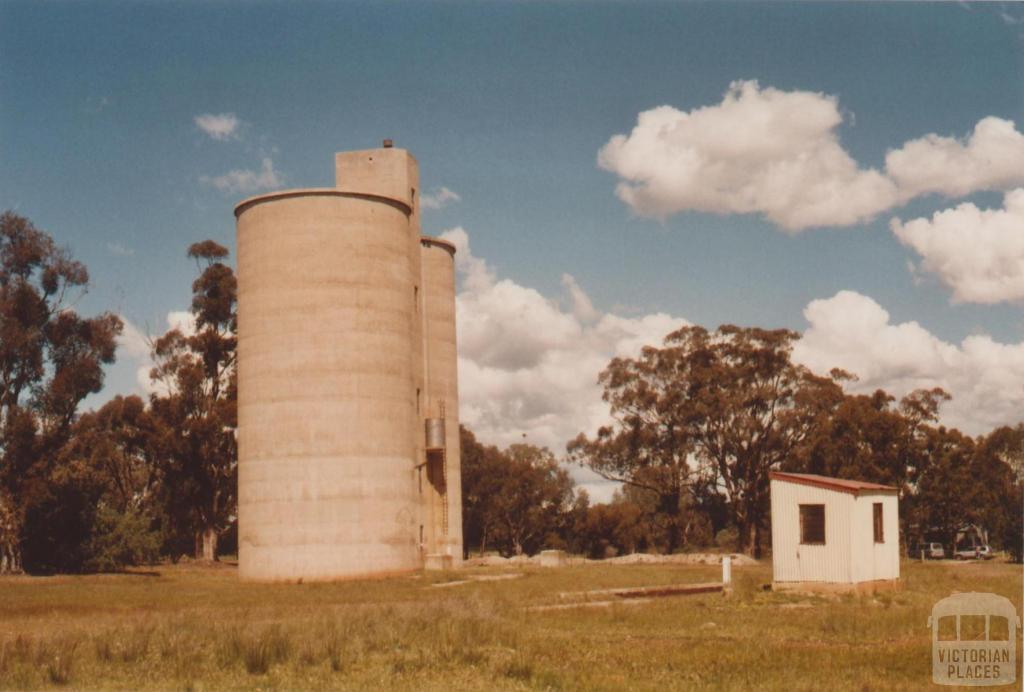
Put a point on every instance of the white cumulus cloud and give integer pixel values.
(245, 181)
(979, 253)
(992, 158)
(220, 126)
(853, 332)
(182, 320)
(1009, 19)
(582, 307)
(136, 346)
(528, 365)
(439, 199)
(777, 153)
(119, 250)
(132, 342)
(761, 150)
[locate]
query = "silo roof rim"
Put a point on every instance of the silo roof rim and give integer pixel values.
(319, 192)
(440, 242)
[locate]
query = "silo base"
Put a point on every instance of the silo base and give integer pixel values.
(438, 561)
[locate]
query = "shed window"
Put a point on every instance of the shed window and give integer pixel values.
(877, 515)
(812, 524)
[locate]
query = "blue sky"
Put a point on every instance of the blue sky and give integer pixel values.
(507, 105)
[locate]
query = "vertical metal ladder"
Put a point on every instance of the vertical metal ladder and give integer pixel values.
(444, 478)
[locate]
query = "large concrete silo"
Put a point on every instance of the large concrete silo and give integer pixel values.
(443, 503)
(330, 374)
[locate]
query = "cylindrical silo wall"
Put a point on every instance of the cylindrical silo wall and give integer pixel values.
(442, 381)
(326, 317)
(418, 365)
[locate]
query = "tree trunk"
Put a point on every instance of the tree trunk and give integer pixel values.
(10, 528)
(673, 535)
(743, 538)
(757, 539)
(669, 504)
(206, 544)
(10, 558)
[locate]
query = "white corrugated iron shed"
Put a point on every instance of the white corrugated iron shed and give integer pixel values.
(833, 530)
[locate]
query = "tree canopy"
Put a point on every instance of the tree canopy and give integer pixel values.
(514, 500)
(709, 412)
(51, 358)
(696, 426)
(702, 420)
(196, 409)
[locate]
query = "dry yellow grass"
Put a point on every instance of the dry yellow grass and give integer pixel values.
(199, 628)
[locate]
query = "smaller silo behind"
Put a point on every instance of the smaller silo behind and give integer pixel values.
(442, 492)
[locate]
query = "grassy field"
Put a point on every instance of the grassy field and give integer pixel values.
(200, 629)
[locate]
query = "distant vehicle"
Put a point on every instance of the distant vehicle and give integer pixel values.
(934, 551)
(973, 552)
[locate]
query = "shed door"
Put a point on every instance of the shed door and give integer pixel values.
(812, 541)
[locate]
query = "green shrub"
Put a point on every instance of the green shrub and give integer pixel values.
(121, 540)
(727, 538)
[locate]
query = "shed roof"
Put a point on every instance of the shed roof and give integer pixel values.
(843, 485)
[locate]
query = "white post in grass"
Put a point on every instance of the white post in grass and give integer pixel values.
(726, 572)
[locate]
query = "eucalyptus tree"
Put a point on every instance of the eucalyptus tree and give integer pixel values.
(708, 412)
(532, 500)
(514, 500)
(653, 436)
(195, 409)
(1006, 445)
(51, 358)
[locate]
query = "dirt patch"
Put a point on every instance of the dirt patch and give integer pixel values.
(738, 560)
(478, 578)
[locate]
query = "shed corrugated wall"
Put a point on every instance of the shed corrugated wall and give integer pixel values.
(792, 561)
(875, 560)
